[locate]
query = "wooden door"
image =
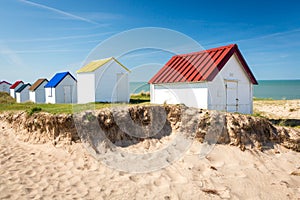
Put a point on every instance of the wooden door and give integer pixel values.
(232, 102)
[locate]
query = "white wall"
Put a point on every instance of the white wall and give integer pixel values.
(39, 95)
(12, 91)
(18, 97)
(232, 71)
(32, 96)
(191, 94)
(86, 87)
(23, 96)
(4, 87)
(106, 83)
(50, 95)
(71, 95)
(211, 95)
(59, 95)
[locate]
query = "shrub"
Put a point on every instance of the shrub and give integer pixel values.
(34, 110)
(5, 98)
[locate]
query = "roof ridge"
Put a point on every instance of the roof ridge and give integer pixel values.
(22, 87)
(96, 64)
(15, 84)
(120, 64)
(37, 84)
(103, 59)
(5, 82)
(56, 79)
(208, 50)
(199, 66)
(89, 66)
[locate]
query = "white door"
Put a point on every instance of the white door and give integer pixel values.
(232, 102)
(67, 94)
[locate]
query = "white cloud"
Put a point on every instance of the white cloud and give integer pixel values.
(99, 16)
(60, 12)
(11, 56)
(14, 53)
(266, 36)
(60, 38)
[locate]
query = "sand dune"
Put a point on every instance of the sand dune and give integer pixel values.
(45, 171)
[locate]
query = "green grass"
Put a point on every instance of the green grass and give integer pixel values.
(7, 103)
(29, 107)
(262, 99)
(258, 114)
(141, 97)
(34, 110)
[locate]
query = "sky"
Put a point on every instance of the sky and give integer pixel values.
(39, 38)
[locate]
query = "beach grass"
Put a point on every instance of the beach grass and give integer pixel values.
(55, 108)
(30, 107)
(269, 101)
(5, 98)
(142, 97)
(7, 103)
(262, 99)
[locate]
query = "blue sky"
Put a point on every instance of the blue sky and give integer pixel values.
(41, 37)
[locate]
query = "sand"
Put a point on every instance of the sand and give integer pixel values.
(278, 109)
(43, 171)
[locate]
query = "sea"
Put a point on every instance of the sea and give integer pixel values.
(266, 89)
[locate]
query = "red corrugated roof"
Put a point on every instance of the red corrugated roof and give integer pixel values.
(199, 66)
(15, 84)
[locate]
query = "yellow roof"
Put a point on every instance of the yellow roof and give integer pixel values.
(92, 66)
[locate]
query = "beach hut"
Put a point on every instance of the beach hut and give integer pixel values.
(62, 88)
(104, 80)
(4, 86)
(14, 87)
(217, 79)
(37, 91)
(22, 93)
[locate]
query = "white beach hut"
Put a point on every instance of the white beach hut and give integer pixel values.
(22, 94)
(62, 88)
(104, 80)
(4, 86)
(37, 91)
(14, 87)
(217, 79)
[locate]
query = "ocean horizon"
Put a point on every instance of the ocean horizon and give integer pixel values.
(266, 89)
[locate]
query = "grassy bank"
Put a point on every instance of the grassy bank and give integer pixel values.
(142, 97)
(7, 103)
(54, 108)
(282, 112)
(51, 108)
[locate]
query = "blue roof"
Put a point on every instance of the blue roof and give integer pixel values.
(20, 89)
(57, 78)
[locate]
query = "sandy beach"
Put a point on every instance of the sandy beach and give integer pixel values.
(45, 171)
(154, 100)
(278, 109)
